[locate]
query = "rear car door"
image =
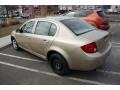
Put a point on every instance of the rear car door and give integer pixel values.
(43, 36)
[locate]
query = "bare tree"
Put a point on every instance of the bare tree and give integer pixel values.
(10, 8)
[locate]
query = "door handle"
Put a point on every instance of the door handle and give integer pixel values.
(45, 40)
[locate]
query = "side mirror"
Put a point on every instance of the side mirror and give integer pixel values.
(19, 30)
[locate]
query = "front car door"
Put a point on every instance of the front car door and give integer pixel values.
(43, 36)
(23, 37)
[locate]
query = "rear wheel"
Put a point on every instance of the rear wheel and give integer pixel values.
(14, 44)
(58, 64)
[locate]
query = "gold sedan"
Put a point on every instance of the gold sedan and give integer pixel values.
(67, 43)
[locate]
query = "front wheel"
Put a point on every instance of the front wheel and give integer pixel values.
(58, 64)
(14, 44)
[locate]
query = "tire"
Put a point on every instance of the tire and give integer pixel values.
(58, 64)
(14, 44)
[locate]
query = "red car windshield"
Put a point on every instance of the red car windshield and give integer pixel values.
(102, 14)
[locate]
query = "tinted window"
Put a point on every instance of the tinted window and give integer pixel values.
(42, 28)
(27, 28)
(77, 26)
(53, 30)
(102, 14)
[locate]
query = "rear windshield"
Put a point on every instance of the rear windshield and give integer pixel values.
(102, 14)
(78, 26)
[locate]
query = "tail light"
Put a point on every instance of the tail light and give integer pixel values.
(104, 23)
(90, 48)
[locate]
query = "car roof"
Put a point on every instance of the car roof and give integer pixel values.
(56, 18)
(59, 18)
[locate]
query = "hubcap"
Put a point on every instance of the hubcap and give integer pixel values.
(14, 44)
(58, 65)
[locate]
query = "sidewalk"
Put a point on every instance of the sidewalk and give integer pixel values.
(5, 41)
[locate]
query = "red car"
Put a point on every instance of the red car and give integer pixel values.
(95, 17)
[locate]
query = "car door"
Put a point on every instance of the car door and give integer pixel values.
(43, 37)
(24, 36)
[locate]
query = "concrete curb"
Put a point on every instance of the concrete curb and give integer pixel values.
(4, 41)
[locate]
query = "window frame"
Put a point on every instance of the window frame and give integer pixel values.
(52, 22)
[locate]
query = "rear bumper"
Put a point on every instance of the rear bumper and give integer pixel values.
(87, 62)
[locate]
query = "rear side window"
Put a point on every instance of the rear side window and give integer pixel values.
(42, 28)
(77, 26)
(52, 30)
(45, 28)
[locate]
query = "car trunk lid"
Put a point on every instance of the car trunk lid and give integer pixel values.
(101, 38)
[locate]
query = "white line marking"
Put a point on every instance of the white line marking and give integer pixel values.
(109, 72)
(86, 81)
(50, 74)
(24, 58)
(115, 43)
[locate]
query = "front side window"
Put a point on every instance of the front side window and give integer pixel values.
(77, 26)
(27, 28)
(42, 28)
(102, 14)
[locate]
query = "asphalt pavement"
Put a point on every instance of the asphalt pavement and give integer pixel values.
(21, 67)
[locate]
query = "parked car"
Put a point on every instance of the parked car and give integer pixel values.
(3, 16)
(24, 15)
(95, 17)
(2, 20)
(68, 43)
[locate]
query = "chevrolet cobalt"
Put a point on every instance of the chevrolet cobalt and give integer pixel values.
(67, 43)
